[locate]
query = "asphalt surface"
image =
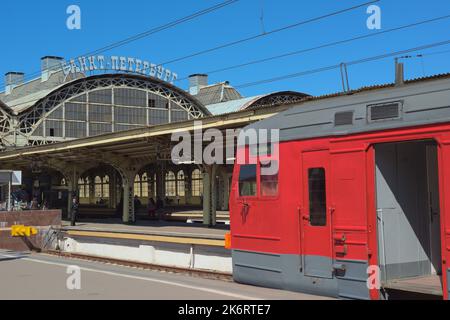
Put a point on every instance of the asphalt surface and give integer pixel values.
(38, 276)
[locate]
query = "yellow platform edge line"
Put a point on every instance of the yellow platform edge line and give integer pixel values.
(128, 236)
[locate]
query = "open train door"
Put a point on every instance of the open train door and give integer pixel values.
(316, 215)
(409, 218)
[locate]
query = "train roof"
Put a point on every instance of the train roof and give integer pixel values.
(415, 102)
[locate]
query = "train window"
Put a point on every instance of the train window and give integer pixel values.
(247, 180)
(317, 197)
(269, 179)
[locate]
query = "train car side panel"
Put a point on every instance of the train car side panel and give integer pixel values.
(350, 236)
(444, 181)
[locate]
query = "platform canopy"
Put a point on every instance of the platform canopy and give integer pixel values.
(137, 145)
(129, 152)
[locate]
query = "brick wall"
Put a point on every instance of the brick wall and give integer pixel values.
(43, 220)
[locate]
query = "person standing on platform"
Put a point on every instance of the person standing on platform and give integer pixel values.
(137, 203)
(34, 204)
(152, 208)
(74, 211)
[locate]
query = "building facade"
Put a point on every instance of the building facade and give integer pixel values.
(61, 106)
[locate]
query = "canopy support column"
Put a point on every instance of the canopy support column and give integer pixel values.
(209, 195)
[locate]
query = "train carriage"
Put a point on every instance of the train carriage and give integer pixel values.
(363, 188)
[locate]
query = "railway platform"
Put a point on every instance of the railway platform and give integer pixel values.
(149, 227)
(174, 214)
(159, 243)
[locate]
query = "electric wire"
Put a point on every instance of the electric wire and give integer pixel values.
(328, 68)
(291, 26)
(323, 46)
(147, 33)
(336, 66)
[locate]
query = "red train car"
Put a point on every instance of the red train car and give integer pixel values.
(363, 188)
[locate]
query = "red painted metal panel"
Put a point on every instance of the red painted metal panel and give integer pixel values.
(372, 237)
(352, 195)
(348, 175)
(310, 232)
(444, 194)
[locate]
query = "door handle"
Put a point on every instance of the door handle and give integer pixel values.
(244, 211)
(306, 218)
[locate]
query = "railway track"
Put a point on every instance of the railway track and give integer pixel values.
(205, 274)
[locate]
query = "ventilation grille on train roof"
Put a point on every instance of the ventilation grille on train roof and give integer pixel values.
(343, 118)
(386, 111)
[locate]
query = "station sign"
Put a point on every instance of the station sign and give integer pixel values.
(13, 177)
(118, 64)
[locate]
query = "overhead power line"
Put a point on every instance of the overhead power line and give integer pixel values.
(337, 66)
(149, 32)
(333, 67)
(163, 27)
(291, 26)
(435, 53)
(323, 46)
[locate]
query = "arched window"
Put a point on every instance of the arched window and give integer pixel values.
(87, 187)
(144, 185)
(171, 188)
(141, 185)
(181, 183)
(105, 187)
(101, 187)
(82, 188)
(197, 183)
(98, 187)
(137, 186)
(110, 104)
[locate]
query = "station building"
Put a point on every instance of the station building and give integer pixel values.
(71, 105)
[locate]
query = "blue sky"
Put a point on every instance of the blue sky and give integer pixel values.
(32, 29)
